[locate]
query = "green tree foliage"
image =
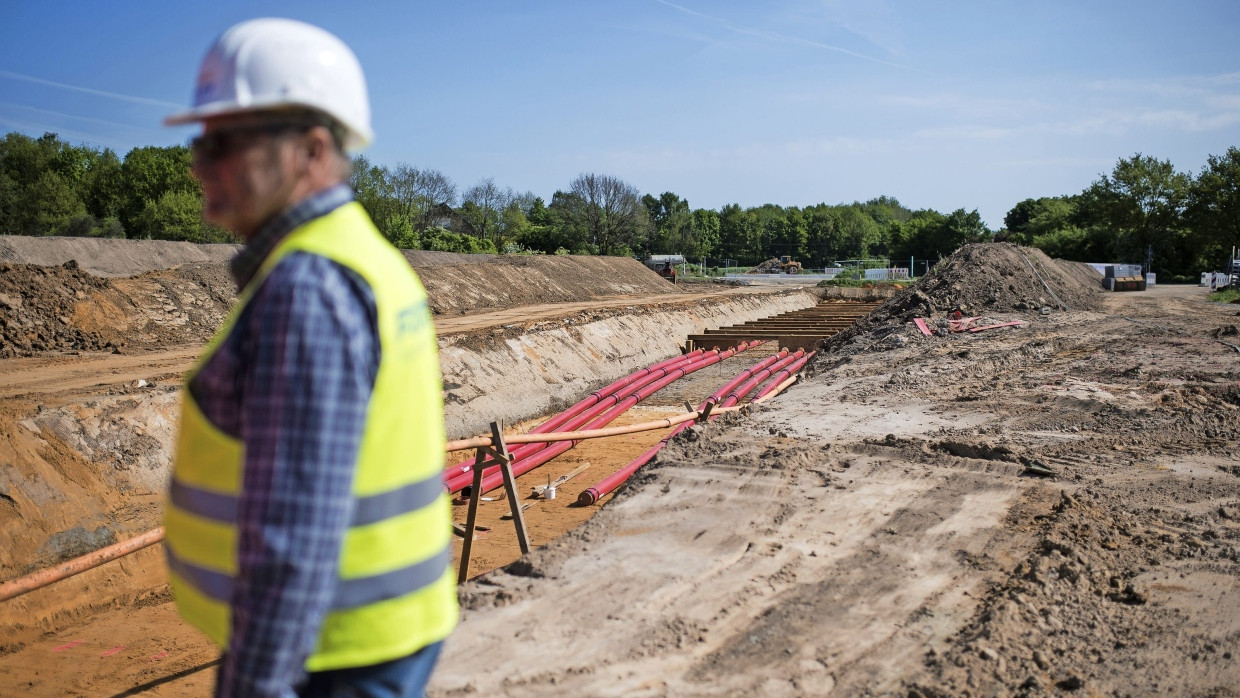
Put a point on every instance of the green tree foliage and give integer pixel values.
(1188, 224)
(1213, 213)
(610, 211)
(780, 231)
(52, 203)
(552, 228)
(932, 235)
(859, 234)
(177, 215)
(1140, 203)
(676, 227)
(1037, 217)
(444, 240)
(49, 187)
(740, 235)
(105, 188)
(374, 189)
(150, 172)
(706, 227)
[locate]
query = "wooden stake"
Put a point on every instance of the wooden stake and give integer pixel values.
(471, 519)
(510, 486)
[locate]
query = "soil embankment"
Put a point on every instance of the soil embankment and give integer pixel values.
(73, 294)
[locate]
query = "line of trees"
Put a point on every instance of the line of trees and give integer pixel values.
(1144, 209)
(49, 187)
(601, 214)
(1143, 212)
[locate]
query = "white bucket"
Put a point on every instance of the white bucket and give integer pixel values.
(549, 493)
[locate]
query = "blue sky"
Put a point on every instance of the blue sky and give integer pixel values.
(940, 104)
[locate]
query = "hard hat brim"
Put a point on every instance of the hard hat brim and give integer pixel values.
(354, 140)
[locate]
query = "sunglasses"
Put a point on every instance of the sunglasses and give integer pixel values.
(219, 144)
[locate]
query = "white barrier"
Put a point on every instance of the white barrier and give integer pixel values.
(1220, 278)
(891, 274)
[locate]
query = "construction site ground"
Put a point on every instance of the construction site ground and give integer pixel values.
(877, 529)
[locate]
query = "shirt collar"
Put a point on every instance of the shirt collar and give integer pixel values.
(246, 262)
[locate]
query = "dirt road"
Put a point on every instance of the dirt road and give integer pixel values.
(876, 531)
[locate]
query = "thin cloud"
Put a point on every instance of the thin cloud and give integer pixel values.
(90, 91)
(62, 115)
(784, 38)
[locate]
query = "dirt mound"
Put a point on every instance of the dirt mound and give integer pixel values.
(1083, 273)
(109, 257)
(770, 266)
(38, 307)
(987, 278)
(64, 308)
(1001, 276)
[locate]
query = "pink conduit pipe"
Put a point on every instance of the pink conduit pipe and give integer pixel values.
(592, 494)
(735, 390)
(741, 377)
(555, 422)
(463, 480)
(756, 379)
(459, 475)
(783, 375)
(525, 465)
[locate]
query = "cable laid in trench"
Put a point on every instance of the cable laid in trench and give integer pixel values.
(460, 475)
(735, 389)
(527, 464)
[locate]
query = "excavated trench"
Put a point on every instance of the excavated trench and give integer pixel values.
(85, 437)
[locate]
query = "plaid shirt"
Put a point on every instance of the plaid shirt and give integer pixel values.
(291, 382)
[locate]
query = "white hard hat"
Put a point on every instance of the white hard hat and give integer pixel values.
(264, 64)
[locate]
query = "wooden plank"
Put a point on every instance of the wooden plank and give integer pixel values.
(539, 489)
(510, 487)
(991, 327)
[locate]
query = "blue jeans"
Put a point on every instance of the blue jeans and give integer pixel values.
(399, 678)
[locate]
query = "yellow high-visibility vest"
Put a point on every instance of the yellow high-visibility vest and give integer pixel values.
(395, 591)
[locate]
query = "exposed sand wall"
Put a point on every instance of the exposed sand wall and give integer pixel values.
(518, 373)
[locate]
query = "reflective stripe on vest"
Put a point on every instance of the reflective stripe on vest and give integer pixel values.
(395, 592)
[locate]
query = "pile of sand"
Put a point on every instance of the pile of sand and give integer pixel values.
(996, 277)
(38, 309)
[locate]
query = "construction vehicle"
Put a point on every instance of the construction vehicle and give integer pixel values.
(1233, 268)
(782, 265)
(664, 264)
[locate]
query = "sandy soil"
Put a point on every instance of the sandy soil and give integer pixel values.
(1051, 509)
(877, 531)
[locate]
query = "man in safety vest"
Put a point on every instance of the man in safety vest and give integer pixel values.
(307, 527)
